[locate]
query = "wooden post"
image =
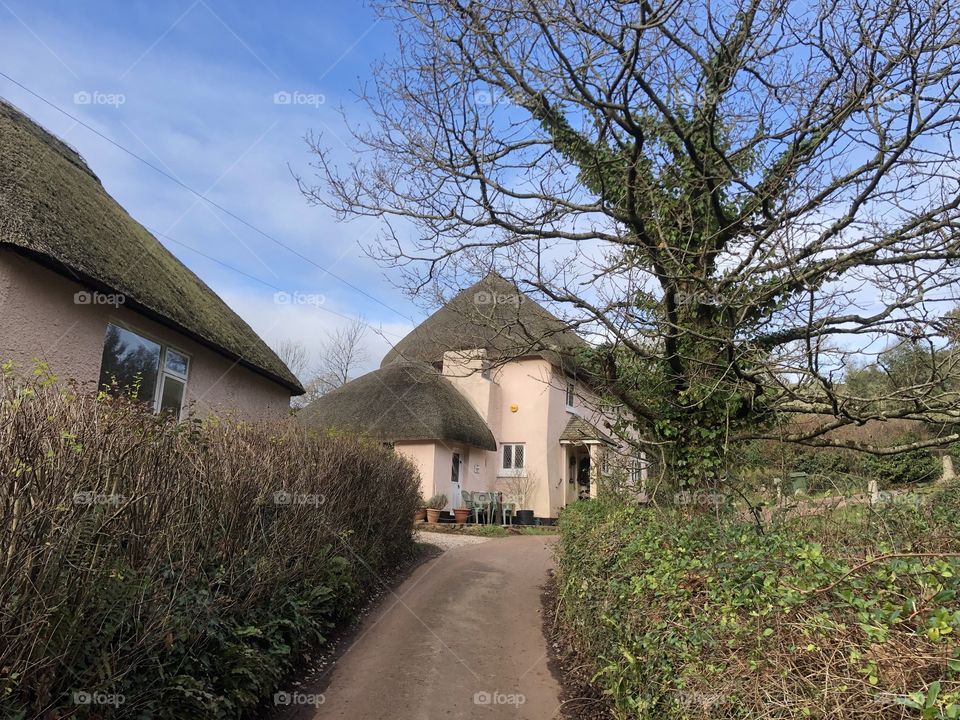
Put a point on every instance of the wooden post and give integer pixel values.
(596, 460)
(948, 473)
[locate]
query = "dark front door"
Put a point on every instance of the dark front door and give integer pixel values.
(583, 477)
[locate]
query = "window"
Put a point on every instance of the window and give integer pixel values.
(511, 459)
(605, 466)
(144, 369)
(173, 388)
(571, 394)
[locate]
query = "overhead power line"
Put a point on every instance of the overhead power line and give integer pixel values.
(270, 285)
(204, 198)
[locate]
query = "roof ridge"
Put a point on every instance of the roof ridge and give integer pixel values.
(493, 314)
(57, 144)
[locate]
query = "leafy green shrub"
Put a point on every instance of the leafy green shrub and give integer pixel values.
(830, 471)
(822, 463)
(912, 467)
(850, 615)
(183, 567)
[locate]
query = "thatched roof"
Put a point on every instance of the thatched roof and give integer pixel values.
(407, 400)
(494, 315)
(55, 210)
(579, 430)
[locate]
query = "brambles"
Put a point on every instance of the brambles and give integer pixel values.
(849, 613)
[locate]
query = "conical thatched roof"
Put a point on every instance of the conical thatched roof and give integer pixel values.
(494, 315)
(403, 401)
(54, 210)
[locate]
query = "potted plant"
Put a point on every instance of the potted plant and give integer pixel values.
(521, 489)
(434, 506)
(420, 514)
(525, 517)
(461, 514)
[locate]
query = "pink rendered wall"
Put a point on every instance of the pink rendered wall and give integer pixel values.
(39, 319)
(526, 385)
(539, 392)
(433, 459)
(523, 401)
(421, 454)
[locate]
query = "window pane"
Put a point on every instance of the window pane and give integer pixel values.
(176, 363)
(518, 456)
(507, 456)
(171, 399)
(132, 361)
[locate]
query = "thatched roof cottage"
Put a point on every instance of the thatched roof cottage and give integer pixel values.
(88, 290)
(483, 395)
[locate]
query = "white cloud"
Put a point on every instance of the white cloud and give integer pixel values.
(205, 113)
(310, 324)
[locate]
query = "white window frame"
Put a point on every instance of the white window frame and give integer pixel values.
(513, 470)
(162, 371)
(606, 461)
(570, 397)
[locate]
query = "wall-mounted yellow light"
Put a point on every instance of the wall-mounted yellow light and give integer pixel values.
(514, 407)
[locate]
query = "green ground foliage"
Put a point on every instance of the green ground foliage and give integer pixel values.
(850, 613)
(179, 569)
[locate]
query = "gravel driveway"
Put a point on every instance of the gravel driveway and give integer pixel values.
(447, 541)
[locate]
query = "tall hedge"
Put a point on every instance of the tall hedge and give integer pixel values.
(177, 569)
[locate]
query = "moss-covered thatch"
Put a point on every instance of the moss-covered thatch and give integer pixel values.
(406, 400)
(55, 210)
(494, 315)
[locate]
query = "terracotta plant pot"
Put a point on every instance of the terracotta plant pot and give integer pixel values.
(461, 515)
(420, 515)
(433, 516)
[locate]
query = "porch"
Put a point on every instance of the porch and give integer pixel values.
(584, 453)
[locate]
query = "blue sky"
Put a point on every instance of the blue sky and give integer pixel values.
(198, 88)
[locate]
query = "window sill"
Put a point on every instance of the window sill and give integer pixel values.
(502, 473)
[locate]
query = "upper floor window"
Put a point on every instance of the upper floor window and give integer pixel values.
(148, 370)
(606, 466)
(511, 459)
(571, 394)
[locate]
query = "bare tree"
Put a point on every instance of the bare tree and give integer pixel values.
(736, 198)
(342, 351)
(295, 356)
